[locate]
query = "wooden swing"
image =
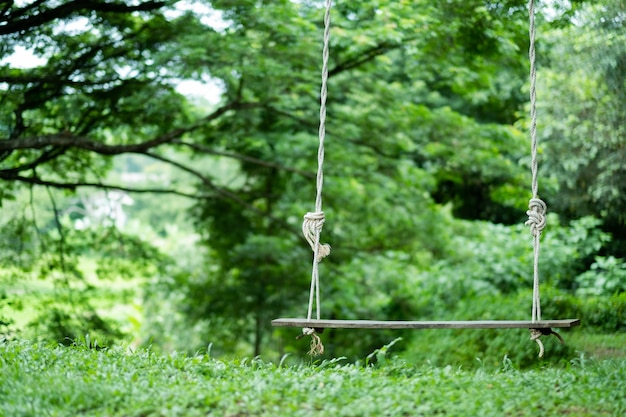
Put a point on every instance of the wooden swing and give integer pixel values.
(314, 221)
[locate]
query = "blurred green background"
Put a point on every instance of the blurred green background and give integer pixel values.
(156, 160)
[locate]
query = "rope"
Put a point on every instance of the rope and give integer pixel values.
(317, 347)
(536, 207)
(314, 221)
(535, 335)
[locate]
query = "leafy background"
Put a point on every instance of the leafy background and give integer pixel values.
(144, 216)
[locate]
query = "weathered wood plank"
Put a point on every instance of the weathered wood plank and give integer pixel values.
(375, 324)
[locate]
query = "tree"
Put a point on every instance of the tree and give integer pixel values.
(423, 98)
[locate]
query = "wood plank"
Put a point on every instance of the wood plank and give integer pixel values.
(471, 324)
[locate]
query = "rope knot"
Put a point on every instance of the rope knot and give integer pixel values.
(312, 228)
(536, 216)
(535, 335)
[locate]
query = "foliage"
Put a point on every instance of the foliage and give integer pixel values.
(607, 276)
(584, 139)
(496, 258)
(53, 274)
(601, 313)
(69, 381)
(463, 347)
(5, 321)
(490, 279)
(425, 128)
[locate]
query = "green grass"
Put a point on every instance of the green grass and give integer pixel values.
(69, 381)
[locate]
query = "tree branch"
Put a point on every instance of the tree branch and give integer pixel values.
(365, 56)
(224, 193)
(368, 55)
(227, 194)
(66, 9)
(313, 125)
(45, 156)
(221, 193)
(66, 139)
(74, 185)
(244, 158)
(301, 121)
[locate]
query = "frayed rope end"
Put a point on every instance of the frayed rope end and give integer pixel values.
(317, 347)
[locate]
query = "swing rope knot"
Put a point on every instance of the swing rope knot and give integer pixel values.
(312, 228)
(317, 347)
(536, 216)
(535, 335)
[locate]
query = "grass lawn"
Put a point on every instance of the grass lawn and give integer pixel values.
(41, 380)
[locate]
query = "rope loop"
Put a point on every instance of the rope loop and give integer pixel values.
(535, 335)
(536, 216)
(312, 228)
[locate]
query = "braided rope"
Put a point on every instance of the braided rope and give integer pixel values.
(314, 221)
(536, 207)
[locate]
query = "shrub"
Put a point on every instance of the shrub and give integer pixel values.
(607, 276)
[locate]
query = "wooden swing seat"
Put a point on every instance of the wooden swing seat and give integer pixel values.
(463, 324)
